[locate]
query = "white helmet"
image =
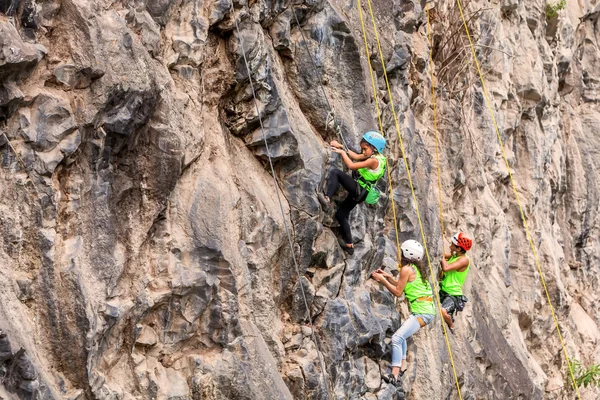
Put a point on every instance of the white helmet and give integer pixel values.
(412, 250)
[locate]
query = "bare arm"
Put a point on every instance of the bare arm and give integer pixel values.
(371, 163)
(387, 276)
(446, 256)
(356, 156)
(352, 154)
(459, 265)
(396, 289)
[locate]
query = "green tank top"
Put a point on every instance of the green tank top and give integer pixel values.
(416, 290)
(454, 280)
(373, 175)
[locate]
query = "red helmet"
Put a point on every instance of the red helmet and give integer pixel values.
(463, 241)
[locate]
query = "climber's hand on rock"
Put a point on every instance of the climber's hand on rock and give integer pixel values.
(377, 276)
(336, 144)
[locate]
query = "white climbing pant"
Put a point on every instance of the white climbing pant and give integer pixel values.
(406, 330)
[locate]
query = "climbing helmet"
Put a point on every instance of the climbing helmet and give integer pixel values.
(375, 139)
(412, 250)
(463, 241)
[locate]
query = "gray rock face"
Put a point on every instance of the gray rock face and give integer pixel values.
(17, 58)
(19, 376)
(48, 121)
(10, 98)
(408, 16)
(159, 9)
(144, 250)
(77, 78)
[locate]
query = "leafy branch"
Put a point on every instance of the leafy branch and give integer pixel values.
(584, 376)
(553, 9)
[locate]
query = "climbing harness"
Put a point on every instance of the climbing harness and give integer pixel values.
(372, 193)
(287, 230)
(397, 126)
(514, 186)
(424, 298)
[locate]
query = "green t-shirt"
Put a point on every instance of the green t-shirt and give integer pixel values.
(416, 290)
(373, 175)
(454, 280)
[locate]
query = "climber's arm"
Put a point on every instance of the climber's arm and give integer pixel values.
(458, 265)
(354, 156)
(370, 163)
(396, 289)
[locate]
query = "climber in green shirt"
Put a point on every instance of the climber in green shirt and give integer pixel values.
(413, 282)
(369, 166)
(455, 267)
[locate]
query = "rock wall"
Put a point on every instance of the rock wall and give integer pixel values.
(144, 249)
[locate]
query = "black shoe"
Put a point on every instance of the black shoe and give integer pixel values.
(325, 204)
(344, 246)
(392, 380)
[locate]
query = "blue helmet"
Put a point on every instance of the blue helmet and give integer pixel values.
(375, 139)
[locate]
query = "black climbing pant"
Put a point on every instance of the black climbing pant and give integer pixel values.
(355, 196)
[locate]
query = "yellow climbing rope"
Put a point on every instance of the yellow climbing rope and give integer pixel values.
(397, 125)
(435, 130)
(514, 186)
(381, 130)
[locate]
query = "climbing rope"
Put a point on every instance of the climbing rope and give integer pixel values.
(514, 186)
(435, 129)
(397, 125)
(399, 254)
(331, 117)
(287, 230)
(331, 113)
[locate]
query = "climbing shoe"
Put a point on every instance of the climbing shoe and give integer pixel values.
(392, 380)
(325, 204)
(344, 246)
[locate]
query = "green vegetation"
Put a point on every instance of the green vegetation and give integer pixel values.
(553, 9)
(584, 377)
